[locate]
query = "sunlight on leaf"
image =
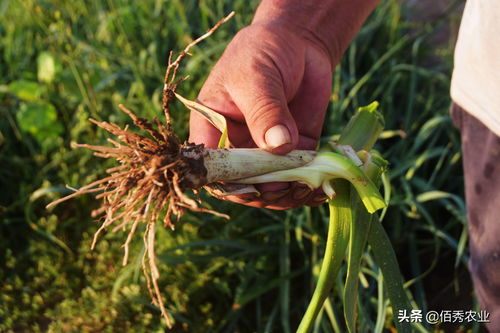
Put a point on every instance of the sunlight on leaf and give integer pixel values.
(46, 67)
(26, 90)
(40, 120)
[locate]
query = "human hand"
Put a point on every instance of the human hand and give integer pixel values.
(272, 84)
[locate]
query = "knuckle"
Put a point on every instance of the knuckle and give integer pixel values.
(264, 109)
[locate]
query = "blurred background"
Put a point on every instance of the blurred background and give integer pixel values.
(62, 62)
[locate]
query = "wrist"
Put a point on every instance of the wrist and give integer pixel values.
(330, 24)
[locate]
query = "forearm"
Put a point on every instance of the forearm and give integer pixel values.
(332, 23)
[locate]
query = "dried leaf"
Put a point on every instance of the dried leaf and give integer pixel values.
(212, 116)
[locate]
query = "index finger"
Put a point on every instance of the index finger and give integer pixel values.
(202, 131)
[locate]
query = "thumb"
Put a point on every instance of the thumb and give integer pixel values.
(260, 96)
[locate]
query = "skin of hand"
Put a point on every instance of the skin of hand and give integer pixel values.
(273, 86)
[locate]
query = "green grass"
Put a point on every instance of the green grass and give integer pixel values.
(255, 273)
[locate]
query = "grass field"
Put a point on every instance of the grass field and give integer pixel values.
(65, 61)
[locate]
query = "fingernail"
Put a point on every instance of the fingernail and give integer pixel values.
(277, 136)
(272, 187)
(247, 197)
(320, 198)
(272, 196)
(300, 193)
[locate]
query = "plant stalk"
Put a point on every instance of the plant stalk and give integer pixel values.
(231, 164)
(336, 244)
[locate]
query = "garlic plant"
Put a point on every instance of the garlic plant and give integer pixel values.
(155, 170)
